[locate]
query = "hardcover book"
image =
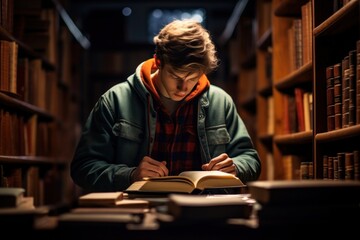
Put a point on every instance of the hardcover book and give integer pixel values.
(100, 198)
(305, 192)
(103, 221)
(111, 199)
(11, 196)
(209, 207)
(190, 182)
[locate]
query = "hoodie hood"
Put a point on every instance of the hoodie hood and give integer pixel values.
(149, 67)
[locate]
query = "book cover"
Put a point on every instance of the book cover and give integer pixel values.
(111, 200)
(291, 164)
(345, 72)
(337, 96)
(72, 220)
(100, 198)
(293, 118)
(186, 182)
(209, 207)
(306, 106)
(11, 196)
(299, 95)
(311, 111)
(352, 87)
(305, 192)
(330, 98)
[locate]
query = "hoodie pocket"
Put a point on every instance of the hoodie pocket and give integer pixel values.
(127, 130)
(217, 135)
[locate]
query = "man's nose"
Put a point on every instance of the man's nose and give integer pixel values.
(182, 86)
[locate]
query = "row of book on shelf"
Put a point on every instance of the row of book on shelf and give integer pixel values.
(343, 165)
(297, 168)
(343, 95)
(25, 135)
(300, 40)
(298, 111)
(26, 79)
(340, 166)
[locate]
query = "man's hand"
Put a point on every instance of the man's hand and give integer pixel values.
(149, 167)
(221, 163)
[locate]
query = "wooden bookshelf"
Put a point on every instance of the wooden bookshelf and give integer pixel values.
(336, 34)
(292, 71)
(264, 97)
(298, 85)
(39, 114)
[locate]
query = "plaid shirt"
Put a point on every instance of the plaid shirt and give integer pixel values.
(176, 139)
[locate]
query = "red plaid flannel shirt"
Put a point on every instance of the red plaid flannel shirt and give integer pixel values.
(176, 139)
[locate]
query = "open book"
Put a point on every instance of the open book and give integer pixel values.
(187, 182)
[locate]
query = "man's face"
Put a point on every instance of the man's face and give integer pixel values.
(177, 85)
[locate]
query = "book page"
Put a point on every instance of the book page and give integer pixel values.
(187, 182)
(183, 179)
(161, 185)
(206, 179)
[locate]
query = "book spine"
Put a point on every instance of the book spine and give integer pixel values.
(330, 167)
(325, 167)
(345, 91)
(330, 98)
(349, 166)
(299, 94)
(311, 110)
(336, 167)
(341, 165)
(352, 88)
(337, 96)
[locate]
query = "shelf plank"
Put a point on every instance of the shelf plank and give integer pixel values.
(294, 138)
(301, 75)
(27, 160)
(344, 18)
(5, 35)
(24, 107)
(339, 134)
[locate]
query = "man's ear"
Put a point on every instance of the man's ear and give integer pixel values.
(157, 61)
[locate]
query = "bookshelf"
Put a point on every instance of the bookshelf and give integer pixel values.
(336, 141)
(301, 50)
(264, 96)
(39, 100)
(292, 84)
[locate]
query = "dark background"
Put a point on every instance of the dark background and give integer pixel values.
(118, 43)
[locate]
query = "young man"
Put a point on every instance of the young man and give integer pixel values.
(164, 119)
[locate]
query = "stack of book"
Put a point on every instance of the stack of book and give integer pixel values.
(210, 207)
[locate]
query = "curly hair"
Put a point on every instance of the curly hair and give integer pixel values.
(186, 45)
